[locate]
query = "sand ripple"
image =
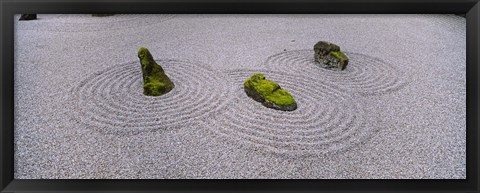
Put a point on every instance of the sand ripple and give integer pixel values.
(112, 100)
(326, 120)
(364, 74)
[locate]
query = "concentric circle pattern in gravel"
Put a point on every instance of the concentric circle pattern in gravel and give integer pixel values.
(112, 100)
(88, 23)
(396, 112)
(364, 74)
(326, 119)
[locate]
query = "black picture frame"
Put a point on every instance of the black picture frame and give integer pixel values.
(471, 9)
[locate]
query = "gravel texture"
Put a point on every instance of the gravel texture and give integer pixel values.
(396, 112)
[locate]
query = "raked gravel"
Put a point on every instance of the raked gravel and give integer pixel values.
(396, 112)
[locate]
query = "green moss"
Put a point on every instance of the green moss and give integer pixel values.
(266, 87)
(269, 90)
(249, 83)
(281, 97)
(339, 55)
(261, 85)
(145, 56)
(154, 88)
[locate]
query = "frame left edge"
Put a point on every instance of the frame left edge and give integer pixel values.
(7, 96)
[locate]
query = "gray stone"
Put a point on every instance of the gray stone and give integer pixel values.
(27, 17)
(329, 56)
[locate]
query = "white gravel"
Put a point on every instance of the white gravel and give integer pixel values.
(397, 111)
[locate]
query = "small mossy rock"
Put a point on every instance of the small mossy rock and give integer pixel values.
(328, 55)
(269, 93)
(155, 81)
(323, 48)
(102, 15)
(27, 17)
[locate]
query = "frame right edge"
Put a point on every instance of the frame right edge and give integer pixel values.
(472, 71)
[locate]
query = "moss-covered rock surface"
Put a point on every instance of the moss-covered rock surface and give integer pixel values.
(328, 55)
(269, 93)
(155, 81)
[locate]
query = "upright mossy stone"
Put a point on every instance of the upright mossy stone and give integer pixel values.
(328, 55)
(155, 81)
(269, 93)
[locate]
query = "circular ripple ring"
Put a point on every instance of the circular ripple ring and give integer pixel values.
(326, 120)
(112, 100)
(364, 74)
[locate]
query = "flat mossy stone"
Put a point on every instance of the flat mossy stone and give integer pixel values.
(269, 93)
(155, 81)
(329, 56)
